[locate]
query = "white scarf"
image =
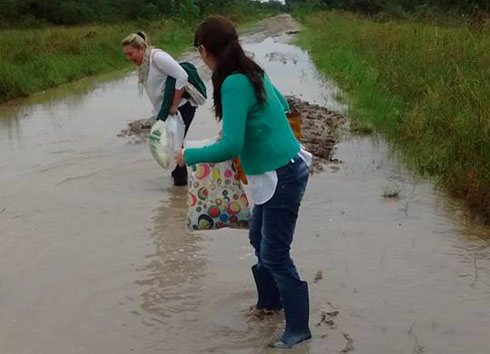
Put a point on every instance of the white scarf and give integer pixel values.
(143, 70)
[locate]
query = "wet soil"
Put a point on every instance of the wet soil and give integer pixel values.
(321, 130)
(138, 130)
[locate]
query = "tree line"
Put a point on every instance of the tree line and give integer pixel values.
(375, 6)
(32, 13)
(74, 12)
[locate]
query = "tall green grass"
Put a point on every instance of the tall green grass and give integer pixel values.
(36, 59)
(426, 88)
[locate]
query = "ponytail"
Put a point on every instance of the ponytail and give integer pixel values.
(142, 35)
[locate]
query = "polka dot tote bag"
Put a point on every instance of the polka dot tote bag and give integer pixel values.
(216, 197)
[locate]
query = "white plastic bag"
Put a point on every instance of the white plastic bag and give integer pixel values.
(216, 197)
(165, 139)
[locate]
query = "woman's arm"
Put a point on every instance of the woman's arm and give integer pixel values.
(237, 96)
(174, 108)
(171, 67)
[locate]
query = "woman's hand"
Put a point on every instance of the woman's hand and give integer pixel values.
(173, 110)
(179, 157)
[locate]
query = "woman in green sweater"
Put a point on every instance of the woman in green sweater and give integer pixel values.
(255, 128)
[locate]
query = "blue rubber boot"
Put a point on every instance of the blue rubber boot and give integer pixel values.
(269, 298)
(297, 312)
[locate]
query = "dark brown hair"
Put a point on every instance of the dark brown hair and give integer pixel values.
(218, 35)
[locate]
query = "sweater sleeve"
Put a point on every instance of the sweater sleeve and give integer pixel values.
(169, 66)
(237, 97)
(168, 96)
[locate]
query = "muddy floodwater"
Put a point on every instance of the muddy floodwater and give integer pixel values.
(95, 257)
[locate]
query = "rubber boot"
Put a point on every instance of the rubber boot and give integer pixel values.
(268, 294)
(297, 312)
(180, 176)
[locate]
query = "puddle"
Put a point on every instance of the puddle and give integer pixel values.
(95, 257)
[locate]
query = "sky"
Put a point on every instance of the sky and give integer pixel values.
(268, 1)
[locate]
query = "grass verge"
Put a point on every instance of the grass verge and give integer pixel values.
(425, 88)
(37, 59)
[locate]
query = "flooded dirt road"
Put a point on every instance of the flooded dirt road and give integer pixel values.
(95, 257)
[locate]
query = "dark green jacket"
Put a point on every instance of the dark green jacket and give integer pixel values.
(193, 78)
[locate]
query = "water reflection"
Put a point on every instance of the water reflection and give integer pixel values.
(189, 299)
(71, 95)
(293, 72)
(171, 277)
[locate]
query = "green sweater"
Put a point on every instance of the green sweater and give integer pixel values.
(258, 133)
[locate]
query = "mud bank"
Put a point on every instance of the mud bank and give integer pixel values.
(138, 130)
(320, 131)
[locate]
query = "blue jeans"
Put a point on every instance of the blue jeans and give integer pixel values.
(273, 224)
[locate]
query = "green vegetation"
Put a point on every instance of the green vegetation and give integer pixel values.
(424, 87)
(35, 13)
(394, 8)
(37, 58)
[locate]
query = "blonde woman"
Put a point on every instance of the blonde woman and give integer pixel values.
(165, 82)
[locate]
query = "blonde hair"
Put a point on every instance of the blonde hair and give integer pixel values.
(136, 40)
